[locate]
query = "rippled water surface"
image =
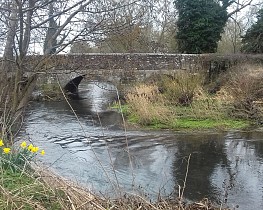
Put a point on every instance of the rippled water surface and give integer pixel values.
(92, 150)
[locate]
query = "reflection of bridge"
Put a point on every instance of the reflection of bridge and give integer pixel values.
(133, 66)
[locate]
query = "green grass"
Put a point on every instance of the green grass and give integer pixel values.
(20, 186)
(24, 191)
(125, 109)
(209, 124)
(194, 124)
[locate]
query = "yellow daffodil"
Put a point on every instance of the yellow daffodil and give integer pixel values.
(6, 150)
(1, 143)
(42, 152)
(30, 147)
(23, 144)
(34, 149)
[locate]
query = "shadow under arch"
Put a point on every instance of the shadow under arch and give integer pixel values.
(71, 88)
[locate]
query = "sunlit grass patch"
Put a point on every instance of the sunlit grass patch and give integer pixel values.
(209, 124)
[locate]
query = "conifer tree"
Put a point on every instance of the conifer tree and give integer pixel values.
(200, 24)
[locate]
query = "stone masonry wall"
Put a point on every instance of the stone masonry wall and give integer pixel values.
(132, 66)
(114, 66)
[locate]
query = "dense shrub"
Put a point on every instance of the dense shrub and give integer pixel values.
(246, 87)
(180, 88)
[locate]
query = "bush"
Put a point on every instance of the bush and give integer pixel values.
(180, 88)
(246, 89)
(49, 92)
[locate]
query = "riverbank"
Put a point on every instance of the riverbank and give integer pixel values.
(184, 123)
(43, 189)
(184, 101)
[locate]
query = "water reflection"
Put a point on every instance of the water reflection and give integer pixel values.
(225, 167)
(207, 153)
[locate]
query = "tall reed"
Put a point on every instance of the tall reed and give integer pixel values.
(148, 104)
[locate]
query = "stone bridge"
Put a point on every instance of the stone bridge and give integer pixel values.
(126, 67)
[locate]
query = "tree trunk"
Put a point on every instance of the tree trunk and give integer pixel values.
(8, 56)
(50, 42)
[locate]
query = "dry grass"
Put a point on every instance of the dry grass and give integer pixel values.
(152, 107)
(79, 198)
(148, 104)
(67, 195)
(210, 106)
(74, 197)
(50, 191)
(245, 85)
(180, 88)
(43, 189)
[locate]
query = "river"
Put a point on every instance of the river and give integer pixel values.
(95, 151)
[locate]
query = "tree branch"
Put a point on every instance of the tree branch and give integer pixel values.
(242, 6)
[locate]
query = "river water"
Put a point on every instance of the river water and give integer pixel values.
(95, 151)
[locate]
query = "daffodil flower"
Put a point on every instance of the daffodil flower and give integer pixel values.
(30, 147)
(7, 150)
(34, 149)
(42, 152)
(23, 144)
(1, 143)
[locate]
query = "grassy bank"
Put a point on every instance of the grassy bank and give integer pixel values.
(178, 122)
(186, 101)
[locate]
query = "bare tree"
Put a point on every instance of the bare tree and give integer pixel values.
(50, 42)
(52, 24)
(237, 25)
(147, 26)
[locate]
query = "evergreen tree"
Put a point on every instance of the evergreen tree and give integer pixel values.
(200, 24)
(252, 42)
